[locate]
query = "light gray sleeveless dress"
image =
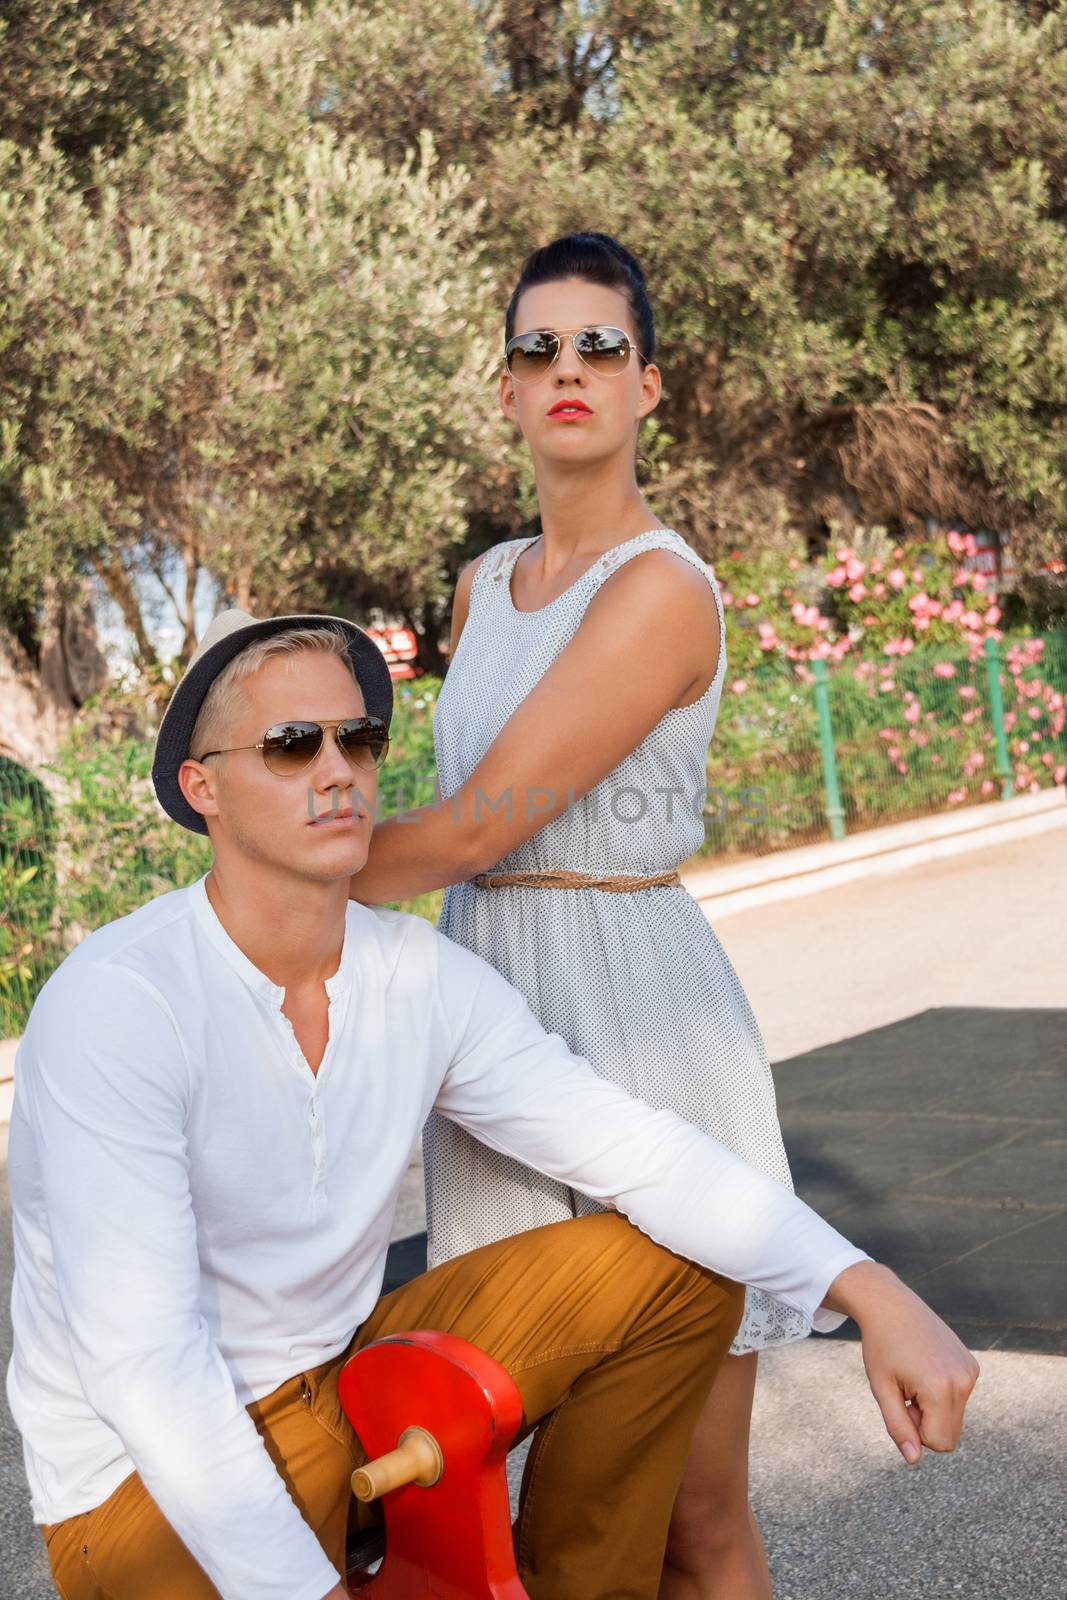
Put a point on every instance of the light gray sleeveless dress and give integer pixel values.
(636, 982)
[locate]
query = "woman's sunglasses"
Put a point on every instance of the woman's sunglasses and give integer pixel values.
(289, 747)
(606, 350)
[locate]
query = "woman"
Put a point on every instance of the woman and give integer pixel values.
(571, 736)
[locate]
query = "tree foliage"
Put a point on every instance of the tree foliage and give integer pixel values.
(253, 260)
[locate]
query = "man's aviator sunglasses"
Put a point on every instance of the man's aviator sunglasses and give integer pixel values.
(289, 747)
(605, 350)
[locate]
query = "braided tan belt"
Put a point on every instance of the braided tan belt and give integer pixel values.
(574, 880)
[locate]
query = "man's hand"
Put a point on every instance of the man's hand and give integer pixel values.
(919, 1372)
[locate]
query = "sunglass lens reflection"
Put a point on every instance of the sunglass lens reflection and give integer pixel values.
(606, 348)
(532, 354)
(365, 746)
(291, 746)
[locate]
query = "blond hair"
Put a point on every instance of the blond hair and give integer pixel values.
(221, 701)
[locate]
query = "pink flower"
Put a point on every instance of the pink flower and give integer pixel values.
(979, 580)
(901, 766)
(879, 590)
(752, 599)
(1060, 774)
(739, 685)
(896, 578)
(876, 565)
(993, 614)
(988, 786)
(917, 575)
(969, 716)
(886, 686)
(1035, 712)
(1009, 720)
(842, 552)
(955, 543)
(727, 598)
(854, 568)
(886, 733)
(944, 669)
(836, 578)
(956, 796)
(967, 690)
(857, 592)
(912, 712)
(793, 563)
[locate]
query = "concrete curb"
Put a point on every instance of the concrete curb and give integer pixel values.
(788, 874)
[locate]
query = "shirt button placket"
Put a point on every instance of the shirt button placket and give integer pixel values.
(318, 1146)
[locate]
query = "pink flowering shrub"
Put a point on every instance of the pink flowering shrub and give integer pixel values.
(903, 634)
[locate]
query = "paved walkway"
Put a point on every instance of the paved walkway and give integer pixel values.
(919, 1025)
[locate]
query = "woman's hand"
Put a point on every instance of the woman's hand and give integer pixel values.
(920, 1373)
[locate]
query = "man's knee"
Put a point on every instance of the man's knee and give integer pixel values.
(615, 1245)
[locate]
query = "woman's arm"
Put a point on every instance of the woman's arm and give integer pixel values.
(649, 635)
(461, 603)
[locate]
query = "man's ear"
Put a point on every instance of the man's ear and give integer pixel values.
(197, 784)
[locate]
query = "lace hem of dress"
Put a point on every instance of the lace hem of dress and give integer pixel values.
(766, 1324)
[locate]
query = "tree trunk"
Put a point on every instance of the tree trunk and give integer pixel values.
(117, 582)
(425, 623)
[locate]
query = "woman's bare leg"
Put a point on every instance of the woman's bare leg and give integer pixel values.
(715, 1550)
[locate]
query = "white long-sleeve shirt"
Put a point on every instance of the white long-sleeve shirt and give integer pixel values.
(198, 1216)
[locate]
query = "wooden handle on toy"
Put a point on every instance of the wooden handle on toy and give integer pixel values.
(416, 1459)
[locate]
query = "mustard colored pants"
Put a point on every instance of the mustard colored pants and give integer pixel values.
(614, 1344)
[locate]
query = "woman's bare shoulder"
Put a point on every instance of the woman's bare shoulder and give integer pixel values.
(659, 577)
(464, 584)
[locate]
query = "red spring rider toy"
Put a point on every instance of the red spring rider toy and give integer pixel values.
(436, 1416)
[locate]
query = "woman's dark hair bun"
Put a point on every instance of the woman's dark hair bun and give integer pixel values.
(598, 258)
(628, 260)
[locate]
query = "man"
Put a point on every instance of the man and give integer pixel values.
(215, 1101)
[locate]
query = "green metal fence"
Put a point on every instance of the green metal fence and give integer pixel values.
(831, 751)
(27, 892)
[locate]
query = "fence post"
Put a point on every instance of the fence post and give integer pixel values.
(996, 711)
(835, 811)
